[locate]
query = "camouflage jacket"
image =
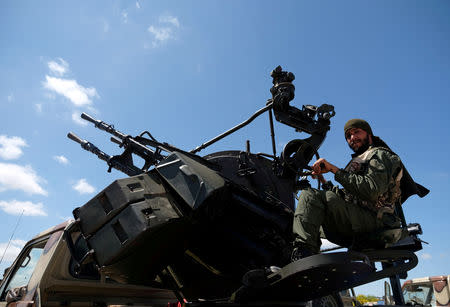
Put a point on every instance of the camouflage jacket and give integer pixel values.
(372, 180)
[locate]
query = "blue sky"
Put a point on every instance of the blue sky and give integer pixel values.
(189, 70)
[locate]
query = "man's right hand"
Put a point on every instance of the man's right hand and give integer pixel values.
(322, 166)
(320, 177)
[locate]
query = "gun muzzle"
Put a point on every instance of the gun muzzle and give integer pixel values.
(89, 118)
(75, 138)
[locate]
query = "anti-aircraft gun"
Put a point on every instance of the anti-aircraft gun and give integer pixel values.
(218, 228)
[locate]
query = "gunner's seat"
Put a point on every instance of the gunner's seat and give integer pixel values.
(404, 237)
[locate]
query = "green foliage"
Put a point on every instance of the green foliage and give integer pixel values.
(362, 299)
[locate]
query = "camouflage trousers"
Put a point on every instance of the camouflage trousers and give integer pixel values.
(341, 221)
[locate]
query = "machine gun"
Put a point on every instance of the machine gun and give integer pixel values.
(220, 226)
(138, 145)
(126, 168)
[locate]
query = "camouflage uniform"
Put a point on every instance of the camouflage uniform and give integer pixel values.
(371, 188)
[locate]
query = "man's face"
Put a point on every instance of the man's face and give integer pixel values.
(358, 138)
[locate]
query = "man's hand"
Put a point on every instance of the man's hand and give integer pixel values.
(322, 166)
(319, 177)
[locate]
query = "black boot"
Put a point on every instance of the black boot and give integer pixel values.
(300, 251)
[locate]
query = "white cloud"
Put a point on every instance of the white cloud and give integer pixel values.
(28, 208)
(58, 69)
(83, 187)
(426, 256)
(16, 177)
(138, 6)
(10, 147)
(13, 250)
(10, 97)
(161, 34)
(165, 32)
(77, 94)
(61, 159)
(170, 19)
(78, 120)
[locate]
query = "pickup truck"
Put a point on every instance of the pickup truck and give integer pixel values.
(427, 291)
(43, 275)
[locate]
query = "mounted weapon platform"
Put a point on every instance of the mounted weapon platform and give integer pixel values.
(218, 228)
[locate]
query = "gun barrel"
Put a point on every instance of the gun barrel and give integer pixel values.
(103, 126)
(113, 162)
(89, 146)
(125, 140)
(89, 118)
(75, 138)
(115, 140)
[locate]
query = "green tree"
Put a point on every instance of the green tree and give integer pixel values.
(362, 299)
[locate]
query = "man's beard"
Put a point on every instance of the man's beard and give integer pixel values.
(365, 143)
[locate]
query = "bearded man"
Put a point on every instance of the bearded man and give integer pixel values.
(372, 186)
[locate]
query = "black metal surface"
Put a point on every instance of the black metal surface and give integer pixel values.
(272, 133)
(319, 275)
(405, 261)
(116, 197)
(263, 182)
(194, 182)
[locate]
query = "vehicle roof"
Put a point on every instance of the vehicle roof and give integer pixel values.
(53, 229)
(427, 279)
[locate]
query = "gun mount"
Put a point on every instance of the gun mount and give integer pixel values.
(219, 226)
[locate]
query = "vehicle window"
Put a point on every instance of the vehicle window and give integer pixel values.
(419, 295)
(24, 268)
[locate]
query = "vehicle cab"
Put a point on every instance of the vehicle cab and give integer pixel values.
(43, 274)
(427, 291)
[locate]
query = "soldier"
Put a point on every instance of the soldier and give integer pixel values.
(371, 188)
